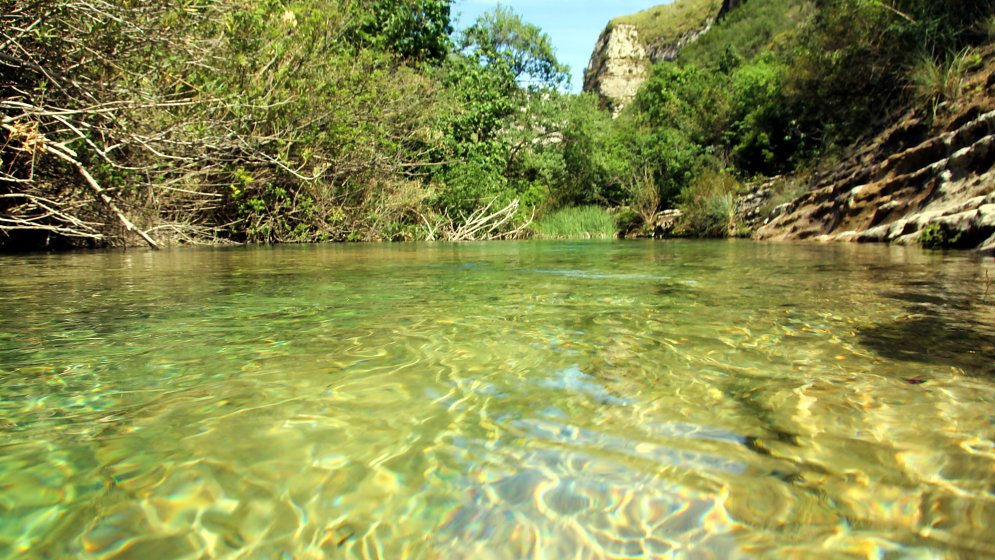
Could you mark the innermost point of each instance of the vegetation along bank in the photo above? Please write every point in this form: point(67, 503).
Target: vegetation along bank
point(233, 121)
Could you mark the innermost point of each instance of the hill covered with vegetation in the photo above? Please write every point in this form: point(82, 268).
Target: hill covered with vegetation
point(667, 23)
point(787, 87)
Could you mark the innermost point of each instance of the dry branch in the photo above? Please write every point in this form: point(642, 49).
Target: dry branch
point(482, 225)
point(102, 195)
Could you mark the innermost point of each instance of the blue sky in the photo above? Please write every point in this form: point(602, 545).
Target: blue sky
point(573, 25)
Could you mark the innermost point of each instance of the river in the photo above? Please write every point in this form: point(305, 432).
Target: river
point(503, 400)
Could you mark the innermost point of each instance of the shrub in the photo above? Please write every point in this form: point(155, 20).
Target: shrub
point(783, 191)
point(940, 236)
point(708, 205)
point(597, 153)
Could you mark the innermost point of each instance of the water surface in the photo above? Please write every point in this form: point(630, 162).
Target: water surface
point(508, 400)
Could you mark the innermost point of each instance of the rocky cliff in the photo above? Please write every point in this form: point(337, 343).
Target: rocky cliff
point(923, 179)
point(618, 66)
point(629, 45)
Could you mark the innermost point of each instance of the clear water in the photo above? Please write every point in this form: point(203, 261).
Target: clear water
point(508, 400)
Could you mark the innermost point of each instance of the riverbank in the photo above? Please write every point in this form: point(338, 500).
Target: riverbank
point(929, 179)
point(415, 131)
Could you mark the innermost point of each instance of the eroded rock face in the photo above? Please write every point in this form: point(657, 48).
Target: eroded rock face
point(891, 191)
point(619, 65)
point(621, 60)
point(668, 51)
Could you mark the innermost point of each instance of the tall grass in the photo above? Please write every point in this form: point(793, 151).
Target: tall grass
point(934, 81)
point(580, 222)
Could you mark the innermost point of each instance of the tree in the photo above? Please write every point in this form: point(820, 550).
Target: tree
point(415, 30)
point(501, 39)
point(597, 154)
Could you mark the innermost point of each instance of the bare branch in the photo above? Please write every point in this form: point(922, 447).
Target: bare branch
point(99, 191)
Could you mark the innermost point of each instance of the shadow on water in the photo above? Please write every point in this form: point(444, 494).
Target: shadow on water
point(930, 302)
point(933, 339)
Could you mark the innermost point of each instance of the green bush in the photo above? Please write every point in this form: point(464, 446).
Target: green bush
point(763, 137)
point(598, 155)
point(708, 206)
point(850, 67)
point(748, 31)
point(940, 236)
point(628, 221)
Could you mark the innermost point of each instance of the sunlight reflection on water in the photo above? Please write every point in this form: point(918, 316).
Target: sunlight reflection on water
point(512, 400)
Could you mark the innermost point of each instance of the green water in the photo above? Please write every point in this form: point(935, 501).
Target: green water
point(508, 400)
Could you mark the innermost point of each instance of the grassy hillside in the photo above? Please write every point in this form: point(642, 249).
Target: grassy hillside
point(667, 22)
point(748, 30)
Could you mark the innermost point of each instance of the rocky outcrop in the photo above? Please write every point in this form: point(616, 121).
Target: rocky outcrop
point(668, 50)
point(751, 208)
point(621, 59)
point(618, 66)
point(904, 183)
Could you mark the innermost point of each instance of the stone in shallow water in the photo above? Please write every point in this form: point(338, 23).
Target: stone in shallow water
point(113, 531)
point(563, 500)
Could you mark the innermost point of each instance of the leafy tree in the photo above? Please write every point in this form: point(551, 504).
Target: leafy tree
point(501, 39)
point(762, 135)
point(505, 117)
point(415, 30)
point(675, 125)
point(597, 153)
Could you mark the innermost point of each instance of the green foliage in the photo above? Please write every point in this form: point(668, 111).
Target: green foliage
point(482, 98)
point(644, 196)
point(850, 68)
point(576, 222)
point(940, 236)
point(294, 120)
point(326, 118)
point(672, 127)
point(764, 137)
point(784, 190)
point(414, 30)
point(708, 205)
point(629, 221)
point(478, 178)
point(504, 132)
point(666, 23)
point(598, 153)
point(686, 98)
point(757, 27)
point(934, 82)
point(500, 38)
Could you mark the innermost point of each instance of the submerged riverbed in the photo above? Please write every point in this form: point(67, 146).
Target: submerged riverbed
point(506, 400)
